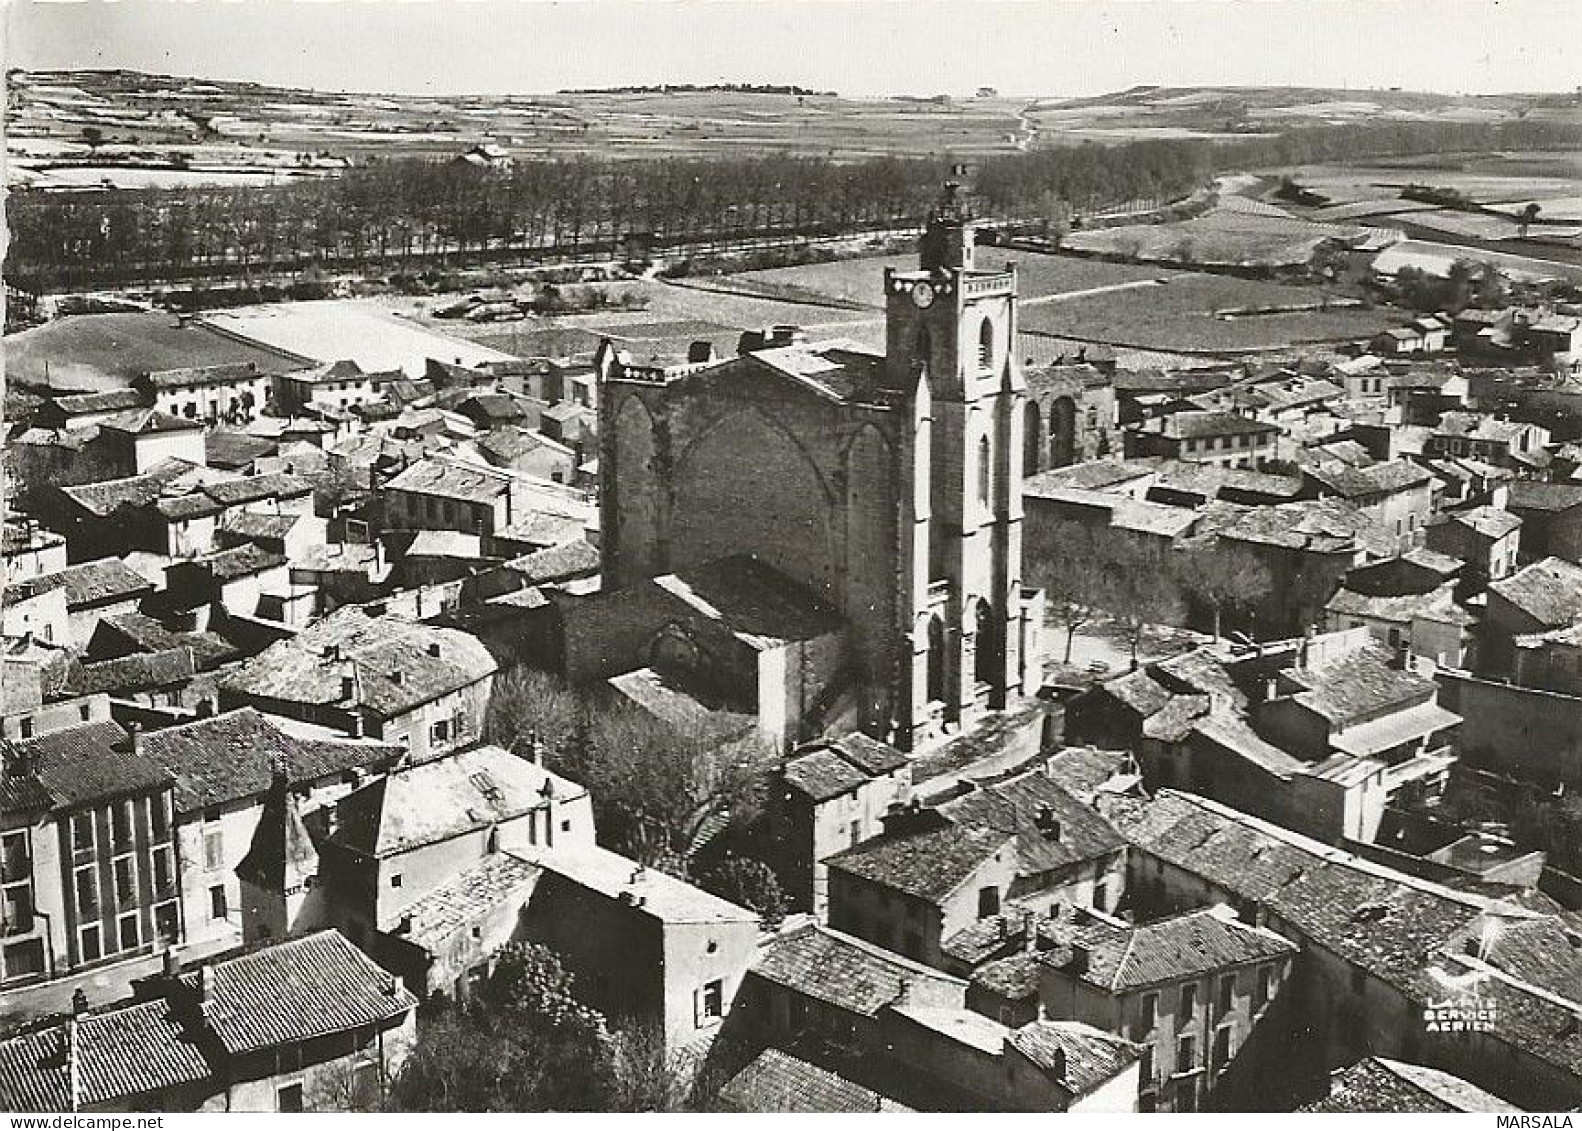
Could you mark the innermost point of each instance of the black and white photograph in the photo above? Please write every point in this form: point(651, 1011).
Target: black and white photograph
point(791, 556)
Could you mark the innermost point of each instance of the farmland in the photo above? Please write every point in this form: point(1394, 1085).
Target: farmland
point(1224, 237)
point(1123, 305)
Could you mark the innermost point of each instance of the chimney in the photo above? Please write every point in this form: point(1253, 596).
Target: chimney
point(1057, 1063)
point(358, 726)
point(404, 926)
point(79, 1002)
point(172, 963)
point(134, 733)
point(206, 983)
point(1047, 823)
point(349, 682)
point(398, 677)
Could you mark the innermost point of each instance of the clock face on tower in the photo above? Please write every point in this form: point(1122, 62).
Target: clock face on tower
point(923, 296)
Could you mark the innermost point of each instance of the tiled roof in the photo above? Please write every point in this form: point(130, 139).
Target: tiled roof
point(927, 865)
point(776, 1081)
point(195, 376)
point(1379, 478)
point(89, 583)
point(1326, 526)
point(462, 900)
point(1014, 977)
point(1409, 933)
point(682, 703)
point(231, 757)
point(394, 663)
point(148, 635)
point(1357, 683)
point(1021, 804)
point(1083, 771)
point(1232, 732)
point(844, 971)
point(299, 989)
point(147, 421)
point(1199, 425)
point(259, 524)
point(432, 801)
point(832, 767)
point(1085, 1057)
point(451, 480)
point(1119, 957)
point(107, 400)
point(1376, 1085)
point(1531, 495)
point(122, 1054)
point(255, 488)
point(92, 762)
point(141, 671)
point(1549, 591)
point(577, 558)
point(648, 891)
point(822, 774)
point(753, 601)
point(1490, 522)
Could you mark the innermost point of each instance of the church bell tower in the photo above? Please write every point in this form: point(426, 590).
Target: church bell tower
point(950, 344)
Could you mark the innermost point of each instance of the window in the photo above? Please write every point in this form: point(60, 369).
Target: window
point(92, 949)
point(130, 939)
point(218, 908)
point(125, 881)
point(1227, 993)
point(714, 1000)
point(395, 880)
point(213, 850)
point(14, 861)
point(1186, 1095)
point(164, 871)
point(289, 1098)
point(1186, 1054)
point(1148, 1014)
point(1189, 999)
point(440, 731)
point(856, 832)
point(1145, 1066)
point(1101, 896)
point(1221, 1047)
point(82, 832)
point(87, 893)
point(988, 902)
point(159, 817)
point(985, 470)
point(986, 345)
point(27, 726)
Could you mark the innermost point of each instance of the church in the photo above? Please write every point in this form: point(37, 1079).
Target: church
point(822, 536)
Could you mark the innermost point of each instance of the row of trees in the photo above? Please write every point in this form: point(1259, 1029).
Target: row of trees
point(392, 214)
point(1090, 574)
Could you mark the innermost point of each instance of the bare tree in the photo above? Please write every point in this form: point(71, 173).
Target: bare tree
point(1222, 576)
point(1066, 560)
point(1140, 590)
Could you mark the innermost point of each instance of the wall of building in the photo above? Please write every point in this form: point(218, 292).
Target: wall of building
point(1521, 730)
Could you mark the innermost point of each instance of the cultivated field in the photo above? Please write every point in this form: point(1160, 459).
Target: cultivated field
point(160, 121)
point(1224, 237)
point(858, 280)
